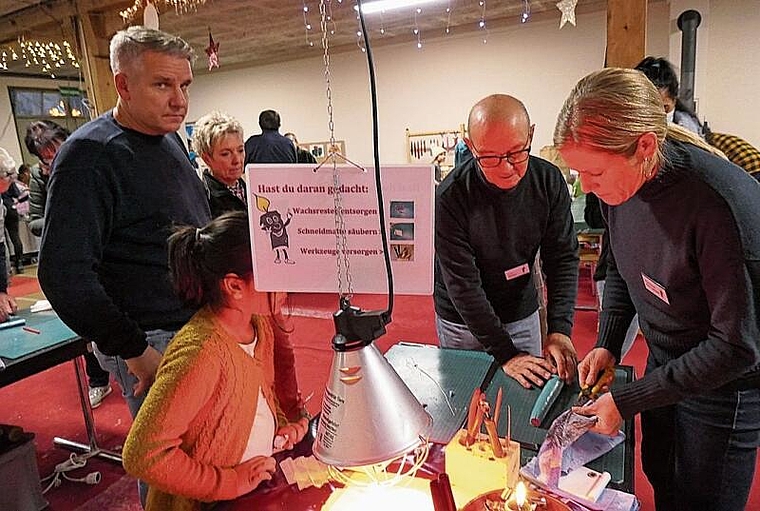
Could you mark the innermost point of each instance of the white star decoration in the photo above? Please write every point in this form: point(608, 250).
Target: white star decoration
point(567, 8)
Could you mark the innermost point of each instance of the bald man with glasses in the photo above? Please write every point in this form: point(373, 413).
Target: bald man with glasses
point(494, 214)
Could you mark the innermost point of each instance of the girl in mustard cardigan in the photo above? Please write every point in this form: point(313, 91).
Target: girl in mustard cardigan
point(206, 430)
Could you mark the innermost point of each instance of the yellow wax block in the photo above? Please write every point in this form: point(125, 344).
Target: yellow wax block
point(475, 470)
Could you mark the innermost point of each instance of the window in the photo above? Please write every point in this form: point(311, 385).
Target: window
point(65, 106)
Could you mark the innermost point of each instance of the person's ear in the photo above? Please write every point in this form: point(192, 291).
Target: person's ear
point(232, 286)
point(646, 146)
point(121, 82)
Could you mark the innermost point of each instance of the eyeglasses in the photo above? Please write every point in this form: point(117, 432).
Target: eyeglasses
point(6, 174)
point(513, 158)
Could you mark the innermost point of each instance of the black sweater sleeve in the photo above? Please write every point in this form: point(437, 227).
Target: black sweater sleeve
point(72, 249)
point(559, 263)
point(617, 309)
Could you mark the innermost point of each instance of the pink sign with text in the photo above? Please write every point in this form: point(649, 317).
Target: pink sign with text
point(294, 231)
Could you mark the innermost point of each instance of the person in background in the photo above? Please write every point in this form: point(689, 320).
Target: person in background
point(493, 214)
point(210, 423)
point(439, 157)
point(304, 156)
point(119, 184)
point(461, 153)
point(25, 174)
point(16, 201)
point(43, 138)
point(7, 174)
point(662, 74)
point(218, 138)
point(684, 248)
point(269, 146)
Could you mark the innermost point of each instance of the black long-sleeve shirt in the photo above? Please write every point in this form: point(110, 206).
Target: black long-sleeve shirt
point(486, 240)
point(113, 197)
point(686, 251)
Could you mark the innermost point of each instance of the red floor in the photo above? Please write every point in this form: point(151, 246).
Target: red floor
point(47, 403)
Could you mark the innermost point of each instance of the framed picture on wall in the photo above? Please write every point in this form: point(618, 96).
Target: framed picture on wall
point(320, 150)
point(189, 129)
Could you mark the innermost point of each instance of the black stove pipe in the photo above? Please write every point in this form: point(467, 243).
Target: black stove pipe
point(688, 22)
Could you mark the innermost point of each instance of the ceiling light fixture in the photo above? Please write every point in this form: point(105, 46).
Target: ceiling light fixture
point(387, 5)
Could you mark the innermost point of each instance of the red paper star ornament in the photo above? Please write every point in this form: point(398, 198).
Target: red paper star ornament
point(212, 50)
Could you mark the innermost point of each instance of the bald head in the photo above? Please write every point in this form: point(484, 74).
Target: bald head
point(498, 110)
point(499, 136)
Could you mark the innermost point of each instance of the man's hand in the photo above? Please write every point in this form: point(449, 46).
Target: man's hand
point(606, 411)
point(595, 362)
point(7, 306)
point(559, 351)
point(144, 369)
point(251, 473)
point(528, 370)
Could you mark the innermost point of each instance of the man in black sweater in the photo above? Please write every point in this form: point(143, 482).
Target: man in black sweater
point(493, 215)
point(118, 186)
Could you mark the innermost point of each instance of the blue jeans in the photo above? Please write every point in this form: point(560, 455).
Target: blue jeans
point(633, 328)
point(158, 339)
point(525, 334)
point(699, 453)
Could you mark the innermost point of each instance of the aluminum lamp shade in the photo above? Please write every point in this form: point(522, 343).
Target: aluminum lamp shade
point(368, 414)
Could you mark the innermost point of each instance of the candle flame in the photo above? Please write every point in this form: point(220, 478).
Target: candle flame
point(521, 494)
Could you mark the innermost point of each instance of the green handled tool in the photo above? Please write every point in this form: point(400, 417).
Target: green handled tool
point(549, 394)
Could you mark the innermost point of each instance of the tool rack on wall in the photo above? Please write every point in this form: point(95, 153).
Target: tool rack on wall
point(419, 145)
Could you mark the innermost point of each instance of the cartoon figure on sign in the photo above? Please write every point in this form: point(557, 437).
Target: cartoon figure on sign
point(271, 222)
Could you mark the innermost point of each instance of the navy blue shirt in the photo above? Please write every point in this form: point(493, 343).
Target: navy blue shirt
point(685, 255)
point(270, 147)
point(113, 198)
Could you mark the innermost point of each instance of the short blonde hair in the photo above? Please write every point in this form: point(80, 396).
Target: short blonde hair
point(7, 163)
point(209, 128)
point(610, 109)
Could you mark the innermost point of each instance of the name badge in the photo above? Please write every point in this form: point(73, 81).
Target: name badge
point(517, 271)
point(655, 288)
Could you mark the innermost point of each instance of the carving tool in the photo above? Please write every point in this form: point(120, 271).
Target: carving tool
point(11, 322)
point(549, 394)
point(472, 413)
point(493, 434)
point(497, 412)
point(603, 381)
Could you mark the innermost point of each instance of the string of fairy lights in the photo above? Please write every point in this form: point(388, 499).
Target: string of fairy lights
point(179, 6)
point(416, 30)
point(47, 56)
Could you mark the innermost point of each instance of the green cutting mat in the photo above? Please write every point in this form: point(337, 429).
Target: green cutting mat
point(521, 401)
point(442, 380)
point(16, 342)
